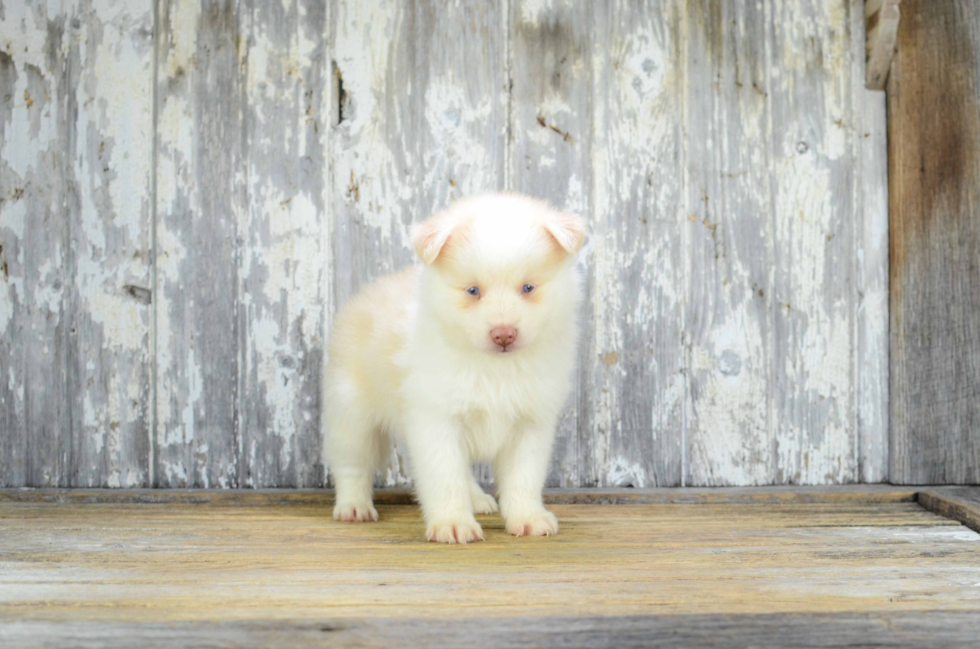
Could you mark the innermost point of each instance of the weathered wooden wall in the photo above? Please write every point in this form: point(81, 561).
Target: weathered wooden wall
point(934, 165)
point(270, 156)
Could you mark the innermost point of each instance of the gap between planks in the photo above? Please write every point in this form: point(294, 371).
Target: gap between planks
point(656, 496)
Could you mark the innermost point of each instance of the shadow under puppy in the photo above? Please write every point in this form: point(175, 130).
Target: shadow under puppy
point(468, 358)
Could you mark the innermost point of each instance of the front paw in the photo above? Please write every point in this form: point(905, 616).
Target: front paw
point(459, 530)
point(355, 512)
point(538, 523)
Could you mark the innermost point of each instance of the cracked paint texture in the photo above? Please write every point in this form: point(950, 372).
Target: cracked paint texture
point(190, 190)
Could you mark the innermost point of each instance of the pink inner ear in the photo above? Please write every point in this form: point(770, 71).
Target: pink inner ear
point(568, 231)
point(430, 237)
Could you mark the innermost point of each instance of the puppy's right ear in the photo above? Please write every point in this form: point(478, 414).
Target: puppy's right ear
point(431, 236)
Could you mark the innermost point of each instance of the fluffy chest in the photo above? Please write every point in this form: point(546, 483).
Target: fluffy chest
point(504, 391)
point(493, 406)
point(485, 433)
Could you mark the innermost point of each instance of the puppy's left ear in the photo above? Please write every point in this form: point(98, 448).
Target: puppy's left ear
point(567, 229)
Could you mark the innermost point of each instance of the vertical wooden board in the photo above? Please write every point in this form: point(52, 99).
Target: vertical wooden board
point(729, 245)
point(110, 156)
point(638, 257)
point(813, 125)
point(13, 428)
point(934, 191)
point(375, 170)
point(283, 265)
point(550, 157)
point(200, 201)
point(420, 120)
point(460, 102)
point(869, 141)
point(36, 109)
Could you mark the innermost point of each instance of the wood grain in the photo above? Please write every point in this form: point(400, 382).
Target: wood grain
point(421, 120)
point(549, 156)
point(870, 140)
point(636, 386)
point(461, 106)
point(182, 563)
point(958, 503)
point(110, 150)
point(374, 143)
point(934, 171)
point(75, 244)
point(37, 101)
point(728, 236)
point(881, 18)
point(815, 213)
point(941, 629)
point(200, 202)
point(281, 310)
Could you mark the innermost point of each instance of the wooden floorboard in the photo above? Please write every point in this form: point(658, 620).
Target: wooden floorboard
point(958, 503)
point(937, 630)
point(780, 572)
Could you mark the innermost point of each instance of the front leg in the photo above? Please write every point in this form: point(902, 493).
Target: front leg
point(520, 470)
point(442, 477)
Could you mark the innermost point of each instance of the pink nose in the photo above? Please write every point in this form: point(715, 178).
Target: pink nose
point(503, 336)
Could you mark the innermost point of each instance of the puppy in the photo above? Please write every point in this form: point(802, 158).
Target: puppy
point(469, 358)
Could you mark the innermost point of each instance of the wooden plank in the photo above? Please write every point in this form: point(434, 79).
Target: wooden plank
point(958, 503)
point(374, 170)
point(324, 498)
point(637, 366)
point(462, 107)
point(728, 238)
point(869, 137)
point(550, 140)
point(759, 631)
point(283, 265)
point(881, 21)
point(114, 563)
point(37, 103)
point(12, 421)
point(934, 171)
point(200, 202)
point(110, 220)
point(815, 215)
point(420, 121)
point(460, 91)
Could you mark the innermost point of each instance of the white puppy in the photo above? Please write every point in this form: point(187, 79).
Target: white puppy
point(469, 358)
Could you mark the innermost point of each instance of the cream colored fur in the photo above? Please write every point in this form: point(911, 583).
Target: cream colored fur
point(412, 355)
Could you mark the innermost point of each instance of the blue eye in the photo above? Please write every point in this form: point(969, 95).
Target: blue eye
point(473, 290)
point(528, 288)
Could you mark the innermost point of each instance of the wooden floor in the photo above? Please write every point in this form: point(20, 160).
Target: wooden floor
point(270, 571)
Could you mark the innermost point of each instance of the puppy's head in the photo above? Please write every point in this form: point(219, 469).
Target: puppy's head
point(499, 274)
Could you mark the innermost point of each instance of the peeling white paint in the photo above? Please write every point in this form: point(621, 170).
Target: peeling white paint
point(623, 473)
point(186, 432)
point(183, 38)
point(50, 292)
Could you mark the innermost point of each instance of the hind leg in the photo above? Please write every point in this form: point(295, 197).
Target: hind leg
point(483, 503)
point(352, 448)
